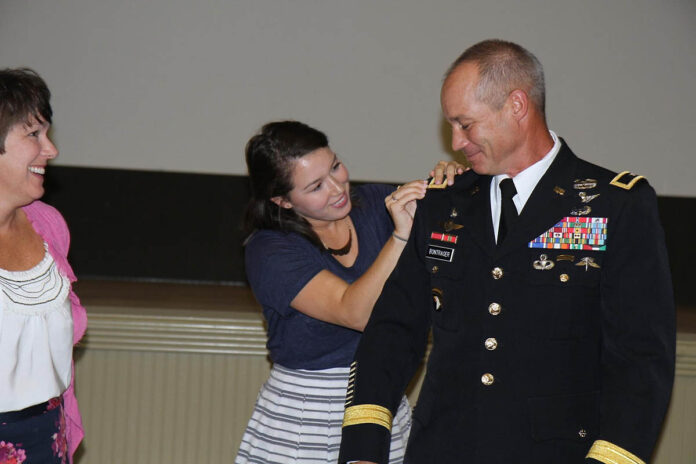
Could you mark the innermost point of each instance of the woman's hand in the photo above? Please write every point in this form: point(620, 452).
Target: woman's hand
point(401, 205)
point(329, 298)
point(447, 170)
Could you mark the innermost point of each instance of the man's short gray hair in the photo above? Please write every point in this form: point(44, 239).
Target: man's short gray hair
point(503, 67)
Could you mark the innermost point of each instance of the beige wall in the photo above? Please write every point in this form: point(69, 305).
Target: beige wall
point(181, 85)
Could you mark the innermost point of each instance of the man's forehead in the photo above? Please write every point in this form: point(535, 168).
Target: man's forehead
point(459, 89)
point(464, 76)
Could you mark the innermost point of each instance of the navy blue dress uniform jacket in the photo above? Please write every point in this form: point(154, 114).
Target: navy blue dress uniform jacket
point(539, 355)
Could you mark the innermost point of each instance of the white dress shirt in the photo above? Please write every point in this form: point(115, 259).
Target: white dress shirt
point(524, 182)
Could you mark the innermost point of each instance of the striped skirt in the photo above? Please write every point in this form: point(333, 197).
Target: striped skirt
point(298, 418)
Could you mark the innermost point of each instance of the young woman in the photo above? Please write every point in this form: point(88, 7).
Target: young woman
point(41, 318)
point(317, 260)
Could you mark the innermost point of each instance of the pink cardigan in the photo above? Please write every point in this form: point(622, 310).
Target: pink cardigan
point(51, 226)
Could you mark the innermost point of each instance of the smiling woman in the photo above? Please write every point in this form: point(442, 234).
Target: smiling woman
point(41, 316)
point(27, 150)
point(322, 191)
point(318, 256)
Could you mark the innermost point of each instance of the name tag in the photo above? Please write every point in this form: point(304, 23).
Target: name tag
point(440, 253)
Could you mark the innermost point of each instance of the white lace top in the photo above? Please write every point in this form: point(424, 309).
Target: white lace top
point(36, 332)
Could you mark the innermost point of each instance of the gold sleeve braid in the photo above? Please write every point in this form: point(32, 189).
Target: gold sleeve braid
point(609, 453)
point(368, 414)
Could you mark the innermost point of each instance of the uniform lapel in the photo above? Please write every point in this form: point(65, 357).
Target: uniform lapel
point(551, 200)
point(474, 213)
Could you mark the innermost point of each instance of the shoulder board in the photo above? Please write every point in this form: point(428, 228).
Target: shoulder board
point(625, 180)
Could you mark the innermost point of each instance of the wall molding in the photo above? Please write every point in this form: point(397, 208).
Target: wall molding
point(238, 334)
point(178, 334)
point(147, 359)
point(686, 355)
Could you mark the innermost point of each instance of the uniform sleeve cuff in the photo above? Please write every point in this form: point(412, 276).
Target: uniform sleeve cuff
point(609, 453)
point(366, 442)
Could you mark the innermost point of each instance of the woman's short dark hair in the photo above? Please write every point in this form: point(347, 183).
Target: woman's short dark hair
point(23, 95)
point(270, 157)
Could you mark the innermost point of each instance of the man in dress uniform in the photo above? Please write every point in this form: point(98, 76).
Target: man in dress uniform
point(546, 284)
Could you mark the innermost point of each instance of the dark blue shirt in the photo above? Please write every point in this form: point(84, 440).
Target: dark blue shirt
point(279, 265)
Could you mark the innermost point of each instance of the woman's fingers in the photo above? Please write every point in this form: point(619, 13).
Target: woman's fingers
point(413, 190)
point(447, 170)
point(401, 204)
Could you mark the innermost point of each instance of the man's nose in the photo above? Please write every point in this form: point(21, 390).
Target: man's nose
point(459, 139)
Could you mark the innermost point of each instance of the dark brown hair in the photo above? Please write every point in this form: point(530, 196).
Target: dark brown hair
point(23, 95)
point(270, 155)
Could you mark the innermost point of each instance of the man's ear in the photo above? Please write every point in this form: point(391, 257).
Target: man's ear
point(519, 103)
point(282, 202)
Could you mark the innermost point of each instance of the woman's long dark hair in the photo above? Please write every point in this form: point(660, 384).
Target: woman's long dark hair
point(270, 155)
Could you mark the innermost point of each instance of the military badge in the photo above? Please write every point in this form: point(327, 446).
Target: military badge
point(543, 263)
point(433, 185)
point(450, 226)
point(585, 198)
point(443, 237)
point(574, 233)
point(588, 262)
point(584, 184)
point(625, 180)
point(558, 190)
point(581, 211)
point(437, 299)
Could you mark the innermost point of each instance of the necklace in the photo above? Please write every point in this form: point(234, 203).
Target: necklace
point(345, 249)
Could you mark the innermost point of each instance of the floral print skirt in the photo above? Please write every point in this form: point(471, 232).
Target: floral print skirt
point(34, 435)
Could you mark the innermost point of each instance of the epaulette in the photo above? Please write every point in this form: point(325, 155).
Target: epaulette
point(625, 180)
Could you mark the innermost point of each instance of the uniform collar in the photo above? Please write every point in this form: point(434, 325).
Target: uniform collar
point(526, 180)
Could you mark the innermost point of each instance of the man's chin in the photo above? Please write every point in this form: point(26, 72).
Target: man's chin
point(479, 168)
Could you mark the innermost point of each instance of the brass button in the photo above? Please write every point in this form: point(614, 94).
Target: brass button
point(487, 379)
point(435, 269)
point(564, 277)
point(494, 308)
point(491, 344)
point(582, 433)
point(497, 273)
